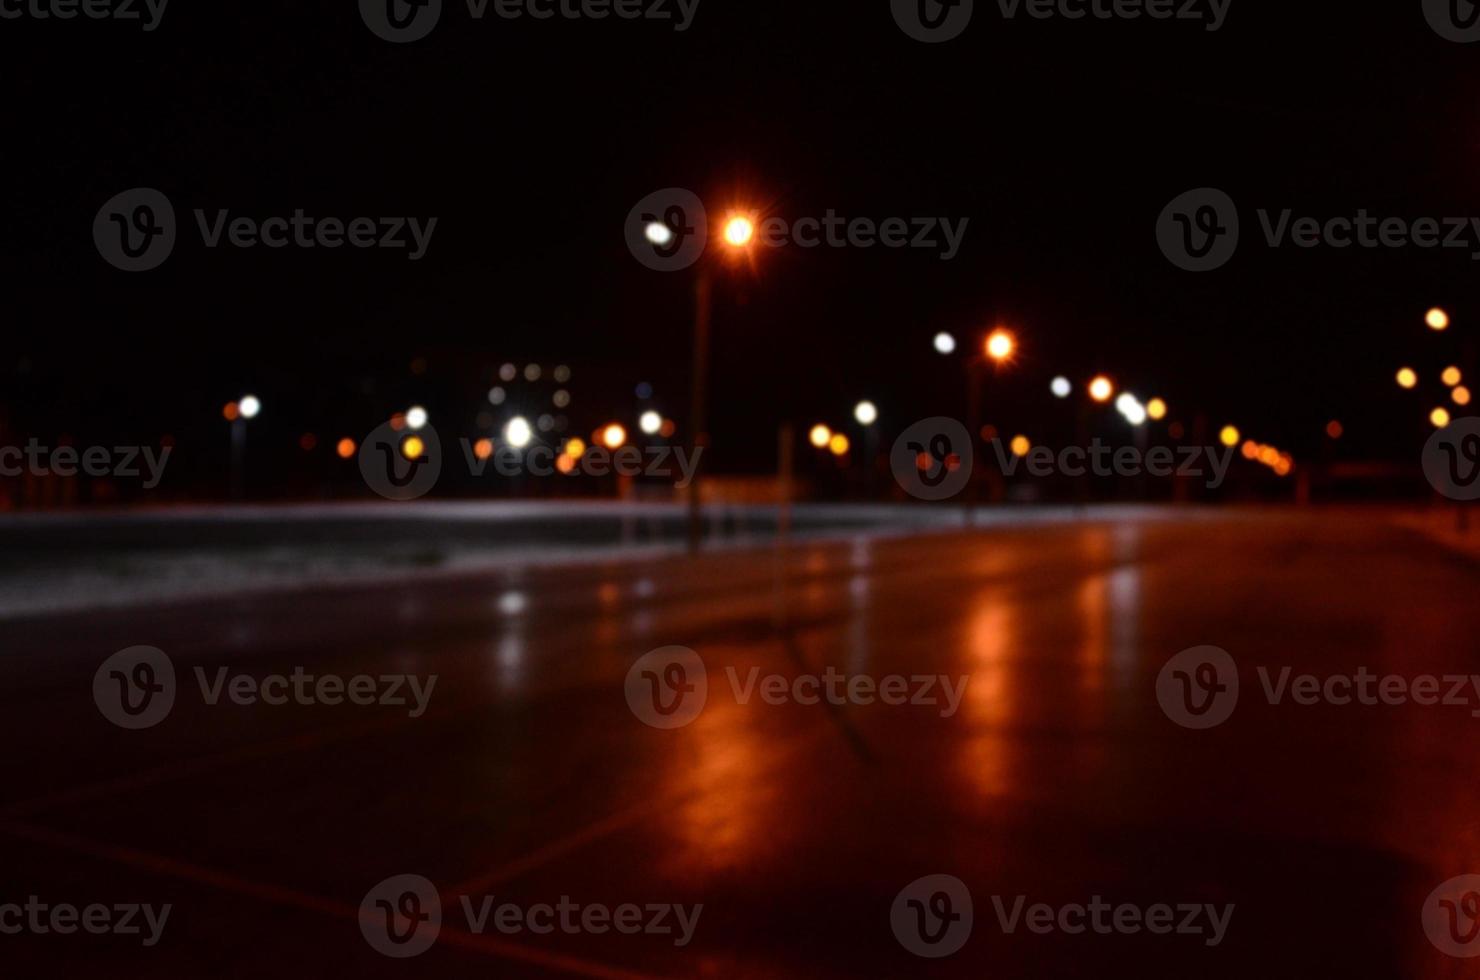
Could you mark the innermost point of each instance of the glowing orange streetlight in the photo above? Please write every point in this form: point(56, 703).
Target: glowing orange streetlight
point(1452, 376)
point(613, 436)
point(1101, 390)
point(1000, 345)
point(839, 444)
point(346, 448)
point(739, 231)
point(1157, 409)
point(1461, 395)
point(1229, 436)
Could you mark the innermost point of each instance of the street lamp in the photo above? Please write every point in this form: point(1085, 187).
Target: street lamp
point(739, 233)
point(1000, 345)
point(239, 413)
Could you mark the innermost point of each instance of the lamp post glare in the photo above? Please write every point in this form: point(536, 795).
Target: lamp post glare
point(739, 231)
point(1000, 345)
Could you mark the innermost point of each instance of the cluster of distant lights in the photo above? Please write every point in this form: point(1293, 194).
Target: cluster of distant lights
point(1000, 345)
point(1452, 377)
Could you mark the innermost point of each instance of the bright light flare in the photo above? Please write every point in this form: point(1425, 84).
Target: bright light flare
point(1061, 387)
point(867, 413)
point(1407, 378)
point(945, 343)
point(1229, 436)
point(658, 233)
point(249, 406)
point(650, 423)
point(412, 447)
point(839, 444)
point(416, 417)
point(1101, 390)
point(614, 436)
point(518, 433)
point(1000, 345)
point(1440, 417)
point(739, 231)
point(1452, 376)
point(1437, 319)
point(820, 435)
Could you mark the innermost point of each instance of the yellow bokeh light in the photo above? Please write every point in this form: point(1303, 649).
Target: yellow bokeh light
point(1157, 409)
point(1437, 319)
point(1461, 395)
point(739, 230)
point(839, 444)
point(613, 436)
point(575, 447)
point(1229, 436)
point(1452, 376)
point(1021, 445)
point(1407, 378)
point(820, 435)
point(483, 448)
point(1440, 417)
point(1100, 389)
point(412, 447)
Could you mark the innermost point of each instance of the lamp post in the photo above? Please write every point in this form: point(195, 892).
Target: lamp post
point(739, 232)
point(239, 413)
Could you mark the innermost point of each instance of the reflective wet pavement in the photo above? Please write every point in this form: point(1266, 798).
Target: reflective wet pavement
point(529, 778)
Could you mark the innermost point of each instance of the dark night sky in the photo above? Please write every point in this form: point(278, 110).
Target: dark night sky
point(530, 142)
